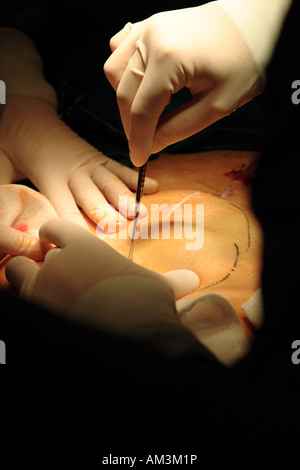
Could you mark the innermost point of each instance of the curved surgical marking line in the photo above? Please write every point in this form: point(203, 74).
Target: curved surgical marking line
point(235, 245)
point(229, 273)
point(248, 224)
point(237, 255)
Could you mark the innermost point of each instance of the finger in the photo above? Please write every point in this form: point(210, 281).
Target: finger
point(118, 38)
point(182, 282)
point(116, 64)
point(52, 252)
point(192, 117)
point(21, 273)
point(15, 242)
point(128, 87)
point(152, 96)
point(94, 204)
point(61, 232)
point(63, 202)
point(116, 192)
point(130, 177)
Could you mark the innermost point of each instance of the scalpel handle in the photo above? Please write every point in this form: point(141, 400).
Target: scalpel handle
point(141, 183)
point(138, 197)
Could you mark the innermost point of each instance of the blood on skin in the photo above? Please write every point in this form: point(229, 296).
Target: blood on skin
point(21, 227)
point(244, 175)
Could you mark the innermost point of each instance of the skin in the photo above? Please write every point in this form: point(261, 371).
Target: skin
point(229, 263)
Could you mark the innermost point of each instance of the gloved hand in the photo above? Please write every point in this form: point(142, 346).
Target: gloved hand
point(22, 240)
point(205, 49)
point(87, 279)
point(16, 242)
point(63, 166)
point(38, 145)
point(8, 173)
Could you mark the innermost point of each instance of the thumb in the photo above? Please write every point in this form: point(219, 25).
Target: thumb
point(22, 272)
point(182, 282)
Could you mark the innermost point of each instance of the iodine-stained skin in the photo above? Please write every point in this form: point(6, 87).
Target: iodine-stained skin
point(211, 172)
point(228, 263)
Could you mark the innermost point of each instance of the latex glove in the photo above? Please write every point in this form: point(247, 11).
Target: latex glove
point(212, 319)
point(260, 24)
point(63, 166)
point(201, 48)
point(88, 280)
point(67, 170)
point(15, 241)
point(8, 173)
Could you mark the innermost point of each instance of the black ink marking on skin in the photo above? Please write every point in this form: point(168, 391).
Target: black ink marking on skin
point(247, 221)
point(237, 255)
point(229, 273)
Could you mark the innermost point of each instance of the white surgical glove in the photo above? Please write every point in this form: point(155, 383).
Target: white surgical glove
point(22, 212)
point(260, 23)
point(218, 53)
point(64, 167)
point(214, 322)
point(87, 280)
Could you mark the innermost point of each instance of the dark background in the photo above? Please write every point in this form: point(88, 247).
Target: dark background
point(80, 389)
point(73, 41)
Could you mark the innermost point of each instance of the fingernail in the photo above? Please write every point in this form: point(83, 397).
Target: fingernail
point(151, 185)
point(193, 280)
point(138, 158)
